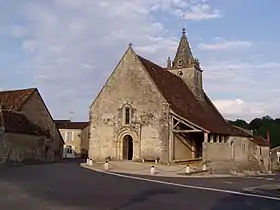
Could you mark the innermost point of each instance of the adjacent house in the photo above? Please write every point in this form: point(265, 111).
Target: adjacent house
point(27, 130)
point(275, 158)
point(146, 111)
point(75, 135)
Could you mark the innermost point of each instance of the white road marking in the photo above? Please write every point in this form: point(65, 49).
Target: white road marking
point(190, 186)
point(228, 182)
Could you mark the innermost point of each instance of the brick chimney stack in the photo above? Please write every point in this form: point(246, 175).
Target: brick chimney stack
point(268, 137)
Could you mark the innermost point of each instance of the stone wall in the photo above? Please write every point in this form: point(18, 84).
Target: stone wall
point(216, 152)
point(129, 86)
point(21, 148)
point(35, 111)
point(84, 142)
point(275, 163)
point(240, 153)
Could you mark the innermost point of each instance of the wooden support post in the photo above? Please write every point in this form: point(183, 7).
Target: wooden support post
point(211, 138)
point(205, 137)
point(218, 138)
point(174, 126)
point(193, 152)
point(171, 141)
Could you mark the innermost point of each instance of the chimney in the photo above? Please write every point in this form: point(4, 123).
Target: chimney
point(268, 137)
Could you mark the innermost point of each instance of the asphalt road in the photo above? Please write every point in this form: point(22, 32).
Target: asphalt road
point(68, 186)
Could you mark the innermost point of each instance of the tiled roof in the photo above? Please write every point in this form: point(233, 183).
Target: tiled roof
point(67, 124)
point(260, 140)
point(17, 122)
point(14, 99)
point(183, 102)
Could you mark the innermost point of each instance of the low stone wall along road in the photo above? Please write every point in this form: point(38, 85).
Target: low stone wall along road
point(68, 186)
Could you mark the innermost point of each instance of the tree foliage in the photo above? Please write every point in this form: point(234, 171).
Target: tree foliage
point(260, 126)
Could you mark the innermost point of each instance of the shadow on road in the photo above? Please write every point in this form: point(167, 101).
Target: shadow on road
point(236, 202)
point(68, 186)
point(145, 195)
point(56, 183)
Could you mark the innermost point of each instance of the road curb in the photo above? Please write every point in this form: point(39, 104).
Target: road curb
point(84, 165)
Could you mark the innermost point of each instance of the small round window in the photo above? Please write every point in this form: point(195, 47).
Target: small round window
point(180, 62)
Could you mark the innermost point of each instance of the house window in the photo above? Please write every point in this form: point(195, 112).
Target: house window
point(127, 116)
point(69, 136)
point(278, 159)
point(260, 150)
point(69, 151)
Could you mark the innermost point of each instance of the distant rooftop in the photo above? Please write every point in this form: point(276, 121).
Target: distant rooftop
point(68, 124)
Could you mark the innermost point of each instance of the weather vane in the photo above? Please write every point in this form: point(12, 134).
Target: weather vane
point(184, 22)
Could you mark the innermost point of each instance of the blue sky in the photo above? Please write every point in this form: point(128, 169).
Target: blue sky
point(68, 48)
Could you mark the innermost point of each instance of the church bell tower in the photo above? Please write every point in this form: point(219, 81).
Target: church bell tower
point(187, 67)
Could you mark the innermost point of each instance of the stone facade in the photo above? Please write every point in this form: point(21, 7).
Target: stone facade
point(129, 87)
point(28, 132)
point(78, 143)
point(275, 158)
point(37, 112)
point(240, 153)
point(23, 148)
point(145, 111)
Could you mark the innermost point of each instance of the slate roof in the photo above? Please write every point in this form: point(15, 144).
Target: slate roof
point(17, 122)
point(183, 102)
point(67, 124)
point(15, 99)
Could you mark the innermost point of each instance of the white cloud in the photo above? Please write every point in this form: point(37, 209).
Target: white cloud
point(225, 45)
point(240, 109)
point(73, 46)
point(201, 12)
point(256, 83)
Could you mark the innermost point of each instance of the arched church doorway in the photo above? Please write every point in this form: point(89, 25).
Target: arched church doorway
point(127, 148)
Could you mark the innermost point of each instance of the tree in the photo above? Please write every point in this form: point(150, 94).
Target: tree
point(260, 126)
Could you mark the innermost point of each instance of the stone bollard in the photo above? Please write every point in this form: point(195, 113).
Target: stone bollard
point(204, 168)
point(87, 161)
point(188, 170)
point(90, 162)
point(153, 170)
point(106, 165)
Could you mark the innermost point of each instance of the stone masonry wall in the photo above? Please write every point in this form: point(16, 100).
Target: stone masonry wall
point(216, 152)
point(21, 148)
point(129, 85)
point(193, 78)
point(35, 111)
point(84, 141)
point(240, 153)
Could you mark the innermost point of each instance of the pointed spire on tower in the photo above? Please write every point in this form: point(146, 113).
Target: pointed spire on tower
point(168, 62)
point(184, 57)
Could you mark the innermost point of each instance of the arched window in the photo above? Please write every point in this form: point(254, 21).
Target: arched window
point(127, 116)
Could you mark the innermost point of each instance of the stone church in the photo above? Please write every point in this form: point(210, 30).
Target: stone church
point(145, 111)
